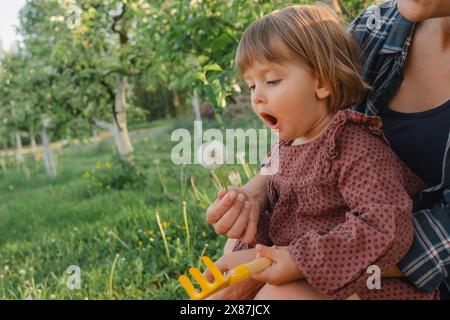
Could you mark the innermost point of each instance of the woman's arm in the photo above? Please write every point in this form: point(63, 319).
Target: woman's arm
point(427, 262)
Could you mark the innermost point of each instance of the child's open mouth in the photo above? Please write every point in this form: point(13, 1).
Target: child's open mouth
point(271, 120)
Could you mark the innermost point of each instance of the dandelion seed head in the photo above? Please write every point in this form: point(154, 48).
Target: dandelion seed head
point(235, 178)
point(211, 155)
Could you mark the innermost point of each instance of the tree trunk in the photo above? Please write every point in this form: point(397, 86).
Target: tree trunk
point(33, 145)
point(196, 108)
point(19, 150)
point(3, 164)
point(120, 129)
point(49, 156)
point(3, 155)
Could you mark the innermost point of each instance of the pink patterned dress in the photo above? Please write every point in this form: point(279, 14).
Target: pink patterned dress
point(342, 203)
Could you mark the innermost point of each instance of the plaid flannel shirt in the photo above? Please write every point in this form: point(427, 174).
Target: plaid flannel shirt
point(384, 37)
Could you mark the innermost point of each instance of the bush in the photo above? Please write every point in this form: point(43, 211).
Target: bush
point(116, 174)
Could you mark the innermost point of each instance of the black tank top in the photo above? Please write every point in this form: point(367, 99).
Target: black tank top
point(419, 139)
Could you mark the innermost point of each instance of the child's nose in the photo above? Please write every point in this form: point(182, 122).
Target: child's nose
point(258, 97)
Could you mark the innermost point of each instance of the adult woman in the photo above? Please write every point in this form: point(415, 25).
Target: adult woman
point(406, 50)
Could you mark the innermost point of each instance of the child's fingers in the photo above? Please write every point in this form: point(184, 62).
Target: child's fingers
point(239, 225)
point(221, 194)
point(264, 276)
point(220, 207)
point(229, 217)
point(267, 274)
point(231, 188)
point(268, 252)
point(252, 224)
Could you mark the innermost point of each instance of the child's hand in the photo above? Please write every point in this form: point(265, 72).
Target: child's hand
point(283, 269)
point(234, 215)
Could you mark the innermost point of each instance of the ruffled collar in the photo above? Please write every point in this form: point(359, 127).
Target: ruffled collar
point(342, 117)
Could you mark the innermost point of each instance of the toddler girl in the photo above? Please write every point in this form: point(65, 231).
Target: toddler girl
point(340, 203)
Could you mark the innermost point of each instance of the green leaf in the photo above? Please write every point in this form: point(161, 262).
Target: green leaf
point(200, 76)
point(212, 67)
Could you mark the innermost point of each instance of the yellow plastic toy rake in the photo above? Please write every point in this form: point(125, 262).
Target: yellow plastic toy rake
point(239, 273)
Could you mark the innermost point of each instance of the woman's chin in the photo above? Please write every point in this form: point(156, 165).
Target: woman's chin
point(413, 11)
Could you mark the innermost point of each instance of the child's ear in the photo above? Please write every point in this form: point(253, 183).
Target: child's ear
point(322, 89)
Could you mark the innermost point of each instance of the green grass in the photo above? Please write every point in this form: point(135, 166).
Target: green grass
point(49, 224)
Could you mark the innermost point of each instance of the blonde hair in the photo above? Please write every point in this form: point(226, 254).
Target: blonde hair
point(313, 35)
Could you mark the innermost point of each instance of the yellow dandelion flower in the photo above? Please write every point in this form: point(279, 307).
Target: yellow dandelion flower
point(165, 224)
point(108, 165)
point(98, 165)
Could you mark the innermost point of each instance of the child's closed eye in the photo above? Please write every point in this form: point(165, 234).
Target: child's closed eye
point(270, 83)
point(274, 82)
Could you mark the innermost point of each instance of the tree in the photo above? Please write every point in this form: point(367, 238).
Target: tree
point(89, 63)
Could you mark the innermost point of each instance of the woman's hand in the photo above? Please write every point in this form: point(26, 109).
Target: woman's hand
point(283, 269)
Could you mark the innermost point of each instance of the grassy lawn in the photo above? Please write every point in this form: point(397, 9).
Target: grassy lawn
point(110, 233)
